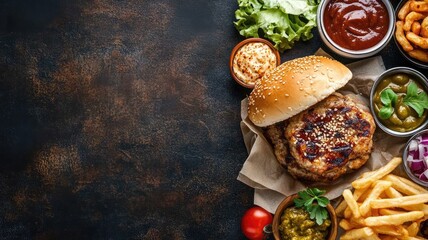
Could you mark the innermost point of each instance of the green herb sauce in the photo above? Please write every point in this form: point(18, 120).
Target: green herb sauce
point(297, 225)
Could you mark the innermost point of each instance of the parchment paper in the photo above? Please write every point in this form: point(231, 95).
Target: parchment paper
point(272, 183)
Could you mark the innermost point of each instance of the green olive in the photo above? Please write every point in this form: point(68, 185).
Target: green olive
point(402, 111)
point(383, 84)
point(377, 98)
point(410, 123)
point(400, 79)
point(398, 88)
point(413, 113)
point(395, 120)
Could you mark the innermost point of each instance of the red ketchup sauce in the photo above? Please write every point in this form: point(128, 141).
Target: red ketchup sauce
point(356, 24)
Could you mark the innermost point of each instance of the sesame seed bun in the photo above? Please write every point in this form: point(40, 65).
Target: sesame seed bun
point(293, 87)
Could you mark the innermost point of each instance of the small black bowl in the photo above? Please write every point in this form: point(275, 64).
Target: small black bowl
point(414, 61)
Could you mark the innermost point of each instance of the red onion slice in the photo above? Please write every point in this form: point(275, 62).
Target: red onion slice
point(416, 166)
point(424, 140)
point(413, 146)
point(417, 158)
point(424, 176)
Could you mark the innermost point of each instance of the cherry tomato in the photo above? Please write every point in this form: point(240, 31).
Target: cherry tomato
point(253, 222)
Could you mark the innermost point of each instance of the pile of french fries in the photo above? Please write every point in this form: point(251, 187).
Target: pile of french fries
point(411, 30)
point(383, 206)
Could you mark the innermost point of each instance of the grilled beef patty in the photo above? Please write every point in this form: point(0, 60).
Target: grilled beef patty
point(321, 144)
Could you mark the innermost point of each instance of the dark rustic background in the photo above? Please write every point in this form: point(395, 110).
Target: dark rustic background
point(119, 119)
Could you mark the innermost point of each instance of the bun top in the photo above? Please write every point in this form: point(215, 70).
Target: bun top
point(293, 87)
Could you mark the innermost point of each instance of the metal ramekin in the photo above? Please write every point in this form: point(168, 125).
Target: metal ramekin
point(406, 166)
point(355, 53)
point(417, 76)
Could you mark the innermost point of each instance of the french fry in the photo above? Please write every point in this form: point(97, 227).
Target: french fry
point(352, 204)
point(393, 193)
point(383, 195)
point(387, 211)
point(374, 212)
point(358, 193)
point(375, 193)
point(388, 238)
point(418, 54)
point(417, 207)
point(401, 38)
point(403, 231)
point(390, 206)
point(340, 209)
point(366, 174)
point(413, 229)
point(365, 194)
point(347, 213)
point(410, 18)
point(417, 40)
point(381, 172)
point(342, 205)
point(345, 225)
point(404, 10)
point(360, 233)
point(399, 202)
point(411, 184)
point(390, 230)
point(372, 237)
point(358, 222)
point(396, 219)
point(403, 185)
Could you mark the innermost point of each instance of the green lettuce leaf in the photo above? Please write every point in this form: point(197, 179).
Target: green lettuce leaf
point(282, 21)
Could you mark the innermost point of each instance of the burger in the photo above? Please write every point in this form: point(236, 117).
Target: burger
point(317, 134)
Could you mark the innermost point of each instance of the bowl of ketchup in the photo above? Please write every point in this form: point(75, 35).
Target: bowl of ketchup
point(355, 28)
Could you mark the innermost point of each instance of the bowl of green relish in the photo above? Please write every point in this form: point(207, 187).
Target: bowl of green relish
point(291, 222)
point(399, 101)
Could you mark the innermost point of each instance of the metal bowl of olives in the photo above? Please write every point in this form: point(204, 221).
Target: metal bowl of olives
point(397, 100)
